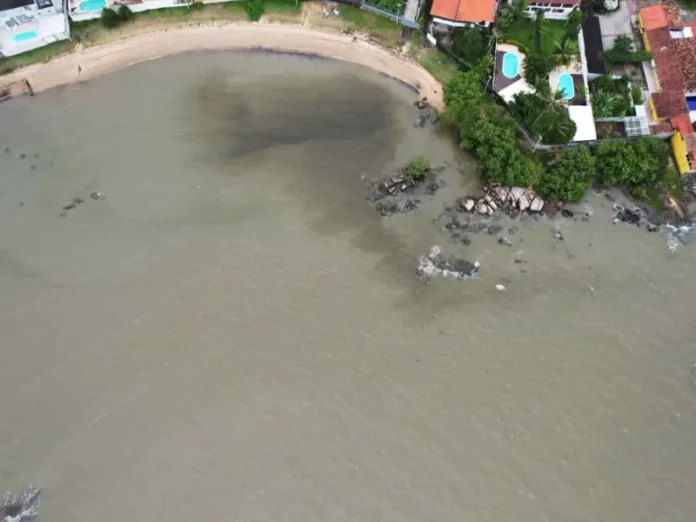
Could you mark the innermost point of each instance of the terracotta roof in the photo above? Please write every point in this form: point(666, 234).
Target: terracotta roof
point(690, 140)
point(474, 11)
point(669, 103)
point(654, 17)
point(660, 128)
point(682, 124)
point(673, 14)
point(666, 59)
point(686, 51)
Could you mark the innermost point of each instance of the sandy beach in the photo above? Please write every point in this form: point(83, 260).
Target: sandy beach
point(103, 59)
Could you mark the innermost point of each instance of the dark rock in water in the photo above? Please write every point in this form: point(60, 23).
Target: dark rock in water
point(435, 263)
point(21, 203)
point(505, 241)
point(20, 507)
point(477, 227)
point(33, 167)
point(393, 194)
point(512, 231)
point(435, 120)
point(7, 150)
point(610, 197)
point(466, 240)
point(419, 121)
point(22, 156)
point(78, 200)
point(567, 213)
point(70, 206)
point(586, 216)
point(37, 155)
point(557, 234)
point(97, 195)
point(653, 228)
point(519, 261)
point(494, 229)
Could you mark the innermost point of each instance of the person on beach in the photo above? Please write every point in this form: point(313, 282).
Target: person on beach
point(79, 69)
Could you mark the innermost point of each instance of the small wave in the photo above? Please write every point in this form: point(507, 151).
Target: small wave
point(434, 263)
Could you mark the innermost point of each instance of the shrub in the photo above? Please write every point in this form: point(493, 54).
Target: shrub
point(470, 44)
point(637, 95)
point(523, 48)
point(254, 9)
point(109, 18)
point(417, 169)
point(125, 14)
point(568, 178)
point(536, 70)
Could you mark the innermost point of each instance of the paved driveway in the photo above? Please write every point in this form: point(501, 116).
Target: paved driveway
point(616, 23)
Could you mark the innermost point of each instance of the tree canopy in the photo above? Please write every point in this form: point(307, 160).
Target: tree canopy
point(470, 44)
point(568, 178)
point(632, 163)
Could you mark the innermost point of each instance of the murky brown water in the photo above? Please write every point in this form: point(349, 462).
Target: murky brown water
point(233, 334)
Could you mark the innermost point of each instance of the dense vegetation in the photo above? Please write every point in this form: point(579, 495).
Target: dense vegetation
point(622, 52)
point(391, 6)
point(471, 44)
point(611, 97)
point(545, 115)
point(417, 169)
point(640, 165)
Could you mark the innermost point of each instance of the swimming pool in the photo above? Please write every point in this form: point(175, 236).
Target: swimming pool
point(565, 85)
point(511, 65)
point(26, 35)
point(691, 102)
point(92, 5)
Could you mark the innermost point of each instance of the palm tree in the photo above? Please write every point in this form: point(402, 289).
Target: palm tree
point(540, 27)
point(558, 128)
point(604, 104)
point(553, 102)
point(516, 10)
point(566, 50)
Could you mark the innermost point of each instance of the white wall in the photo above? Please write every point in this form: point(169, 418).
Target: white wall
point(551, 12)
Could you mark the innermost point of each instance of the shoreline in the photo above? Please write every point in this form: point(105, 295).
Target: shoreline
point(107, 58)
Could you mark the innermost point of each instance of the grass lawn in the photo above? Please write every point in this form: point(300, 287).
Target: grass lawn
point(42, 54)
point(438, 64)
point(523, 31)
point(377, 27)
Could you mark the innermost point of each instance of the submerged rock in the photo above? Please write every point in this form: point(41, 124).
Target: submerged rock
point(505, 241)
point(19, 507)
point(436, 264)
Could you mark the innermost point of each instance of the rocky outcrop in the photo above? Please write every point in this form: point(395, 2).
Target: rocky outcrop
point(435, 263)
point(399, 194)
point(19, 507)
point(511, 200)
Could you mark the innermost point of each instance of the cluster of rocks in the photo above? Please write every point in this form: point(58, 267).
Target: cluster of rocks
point(435, 263)
point(634, 216)
point(400, 194)
point(431, 115)
point(97, 196)
point(511, 200)
point(20, 507)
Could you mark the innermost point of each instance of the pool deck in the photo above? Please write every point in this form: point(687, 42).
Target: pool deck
point(500, 81)
point(506, 87)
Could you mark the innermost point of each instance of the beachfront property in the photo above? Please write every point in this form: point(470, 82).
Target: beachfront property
point(81, 10)
point(29, 24)
point(671, 76)
point(554, 9)
point(464, 13)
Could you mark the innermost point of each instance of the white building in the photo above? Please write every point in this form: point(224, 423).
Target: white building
point(81, 10)
point(554, 9)
point(29, 24)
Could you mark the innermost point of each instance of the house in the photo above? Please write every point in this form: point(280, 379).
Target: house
point(81, 10)
point(464, 13)
point(554, 9)
point(29, 24)
point(671, 76)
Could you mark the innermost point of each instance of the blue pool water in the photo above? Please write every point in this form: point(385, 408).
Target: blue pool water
point(565, 85)
point(92, 5)
point(510, 65)
point(691, 102)
point(26, 35)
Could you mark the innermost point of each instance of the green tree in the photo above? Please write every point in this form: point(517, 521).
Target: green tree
point(501, 157)
point(540, 28)
point(566, 50)
point(254, 9)
point(605, 104)
point(631, 163)
point(568, 178)
point(545, 115)
point(109, 18)
point(557, 127)
point(536, 70)
point(465, 101)
point(124, 13)
point(470, 44)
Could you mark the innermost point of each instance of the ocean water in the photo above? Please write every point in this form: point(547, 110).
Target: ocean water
point(232, 333)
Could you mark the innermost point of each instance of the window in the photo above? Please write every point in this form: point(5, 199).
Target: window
point(42, 4)
point(557, 10)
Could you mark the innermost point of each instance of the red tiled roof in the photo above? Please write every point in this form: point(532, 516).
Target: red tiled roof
point(670, 103)
point(654, 17)
point(666, 58)
point(682, 124)
point(686, 51)
point(474, 11)
point(660, 128)
point(690, 140)
point(673, 14)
